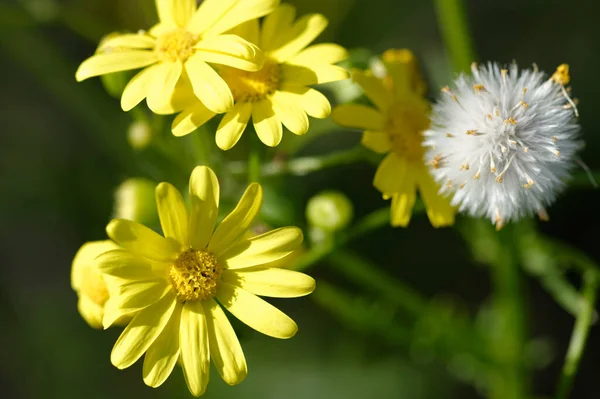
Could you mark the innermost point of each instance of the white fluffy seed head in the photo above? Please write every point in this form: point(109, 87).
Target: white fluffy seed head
point(502, 142)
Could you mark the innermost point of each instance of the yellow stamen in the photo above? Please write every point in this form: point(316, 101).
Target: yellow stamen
point(195, 275)
point(175, 45)
point(252, 86)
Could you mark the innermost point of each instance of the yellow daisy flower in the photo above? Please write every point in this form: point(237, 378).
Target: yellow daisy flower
point(176, 286)
point(396, 127)
point(91, 286)
point(185, 41)
point(279, 92)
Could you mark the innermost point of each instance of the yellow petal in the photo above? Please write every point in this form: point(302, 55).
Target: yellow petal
point(138, 87)
point(182, 97)
point(233, 125)
point(84, 258)
point(402, 204)
point(358, 116)
point(324, 53)
point(271, 282)
point(128, 266)
point(217, 16)
point(305, 30)
point(172, 213)
point(264, 248)
point(195, 355)
point(175, 12)
point(439, 210)
point(401, 65)
point(225, 348)
point(255, 312)
point(101, 64)
point(91, 312)
point(208, 86)
point(314, 103)
point(191, 119)
point(238, 221)
point(266, 123)
point(163, 84)
point(129, 40)
point(230, 50)
point(133, 297)
point(142, 241)
point(289, 112)
point(374, 89)
point(377, 141)
point(249, 30)
point(163, 353)
point(390, 174)
point(141, 332)
point(311, 75)
point(204, 198)
point(278, 21)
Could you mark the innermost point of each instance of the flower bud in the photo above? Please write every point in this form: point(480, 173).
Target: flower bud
point(329, 210)
point(134, 200)
point(89, 284)
point(139, 135)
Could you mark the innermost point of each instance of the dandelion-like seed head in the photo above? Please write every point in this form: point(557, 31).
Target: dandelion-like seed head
point(175, 45)
point(195, 275)
point(252, 86)
point(502, 141)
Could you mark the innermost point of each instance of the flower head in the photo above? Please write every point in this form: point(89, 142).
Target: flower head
point(503, 140)
point(180, 47)
point(278, 93)
point(395, 127)
point(176, 286)
point(92, 288)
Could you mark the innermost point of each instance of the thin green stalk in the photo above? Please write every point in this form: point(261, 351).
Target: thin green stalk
point(452, 20)
point(254, 160)
point(369, 275)
point(371, 222)
point(511, 336)
point(579, 336)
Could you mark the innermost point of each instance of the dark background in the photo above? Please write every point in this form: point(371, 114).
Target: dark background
point(63, 150)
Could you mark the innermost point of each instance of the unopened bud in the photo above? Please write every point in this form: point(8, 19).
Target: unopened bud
point(139, 135)
point(134, 200)
point(329, 210)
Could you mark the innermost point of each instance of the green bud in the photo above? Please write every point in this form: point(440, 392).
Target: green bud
point(139, 135)
point(135, 200)
point(329, 210)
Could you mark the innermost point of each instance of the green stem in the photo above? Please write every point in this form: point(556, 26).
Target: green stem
point(367, 274)
point(452, 20)
point(254, 160)
point(371, 222)
point(579, 336)
point(510, 339)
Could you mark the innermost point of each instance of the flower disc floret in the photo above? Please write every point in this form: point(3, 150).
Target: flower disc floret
point(177, 45)
point(195, 275)
point(252, 86)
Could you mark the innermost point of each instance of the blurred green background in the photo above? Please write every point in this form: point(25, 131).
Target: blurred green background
point(63, 151)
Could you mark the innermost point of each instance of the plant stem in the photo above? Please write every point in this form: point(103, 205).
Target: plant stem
point(510, 339)
point(365, 273)
point(254, 160)
point(452, 20)
point(372, 221)
point(579, 336)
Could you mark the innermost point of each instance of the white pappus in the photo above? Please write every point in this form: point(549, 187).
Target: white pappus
point(502, 141)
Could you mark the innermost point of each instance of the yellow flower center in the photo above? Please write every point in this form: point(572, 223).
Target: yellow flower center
point(93, 286)
point(175, 45)
point(195, 275)
point(405, 123)
point(252, 86)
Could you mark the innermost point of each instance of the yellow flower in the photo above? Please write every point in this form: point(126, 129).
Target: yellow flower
point(182, 45)
point(89, 284)
point(396, 127)
point(279, 92)
point(176, 286)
